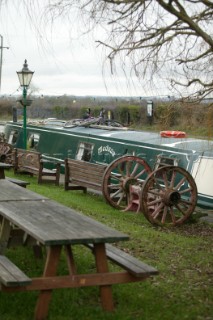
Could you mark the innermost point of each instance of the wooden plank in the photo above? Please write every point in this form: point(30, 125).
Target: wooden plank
point(52, 223)
point(20, 183)
point(70, 260)
point(11, 275)
point(4, 234)
point(12, 192)
point(102, 266)
point(128, 262)
point(133, 265)
point(79, 173)
point(82, 173)
point(87, 184)
point(85, 164)
point(32, 163)
point(42, 306)
point(78, 281)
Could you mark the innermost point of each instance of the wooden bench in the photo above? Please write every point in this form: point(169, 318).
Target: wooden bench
point(20, 183)
point(31, 162)
point(11, 275)
point(80, 175)
point(134, 266)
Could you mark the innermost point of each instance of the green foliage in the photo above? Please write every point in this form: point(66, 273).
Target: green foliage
point(183, 256)
point(135, 113)
point(193, 118)
point(131, 114)
point(121, 113)
point(167, 114)
point(60, 112)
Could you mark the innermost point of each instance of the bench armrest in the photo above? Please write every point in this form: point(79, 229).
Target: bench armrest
point(51, 161)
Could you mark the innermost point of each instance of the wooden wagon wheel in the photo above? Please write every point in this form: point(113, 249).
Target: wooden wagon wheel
point(168, 196)
point(118, 177)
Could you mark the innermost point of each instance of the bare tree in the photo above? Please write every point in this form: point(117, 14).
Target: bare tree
point(170, 39)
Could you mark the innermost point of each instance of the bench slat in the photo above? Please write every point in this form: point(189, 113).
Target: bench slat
point(86, 172)
point(128, 262)
point(83, 174)
point(87, 177)
point(31, 162)
point(86, 184)
point(11, 275)
point(20, 183)
point(85, 164)
point(133, 265)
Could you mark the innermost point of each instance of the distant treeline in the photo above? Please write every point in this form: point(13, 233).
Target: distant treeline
point(174, 115)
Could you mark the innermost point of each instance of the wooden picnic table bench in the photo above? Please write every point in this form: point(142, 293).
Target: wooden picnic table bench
point(55, 227)
point(4, 166)
point(11, 275)
point(134, 266)
point(31, 162)
point(80, 175)
point(19, 182)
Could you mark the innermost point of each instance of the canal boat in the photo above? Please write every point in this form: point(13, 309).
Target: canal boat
point(104, 142)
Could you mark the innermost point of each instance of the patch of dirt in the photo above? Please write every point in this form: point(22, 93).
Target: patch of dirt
point(197, 229)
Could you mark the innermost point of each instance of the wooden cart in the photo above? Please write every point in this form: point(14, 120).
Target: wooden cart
point(166, 195)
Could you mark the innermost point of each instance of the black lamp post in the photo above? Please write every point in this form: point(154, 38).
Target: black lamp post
point(25, 76)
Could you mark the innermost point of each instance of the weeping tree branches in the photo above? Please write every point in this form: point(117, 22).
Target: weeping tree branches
point(170, 39)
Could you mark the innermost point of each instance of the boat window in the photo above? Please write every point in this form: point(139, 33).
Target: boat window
point(33, 140)
point(165, 161)
point(13, 137)
point(84, 151)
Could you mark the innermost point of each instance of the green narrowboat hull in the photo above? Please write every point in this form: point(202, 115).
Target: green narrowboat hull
point(104, 145)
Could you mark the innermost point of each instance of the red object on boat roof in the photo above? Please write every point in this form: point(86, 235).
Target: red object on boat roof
point(173, 134)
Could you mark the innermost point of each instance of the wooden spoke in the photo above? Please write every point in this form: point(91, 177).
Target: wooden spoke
point(113, 186)
point(139, 174)
point(165, 179)
point(165, 211)
point(180, 183)
point(173, 179)
point(172, 215)
point(181, 210)
point(120, 199)
point(155, 201)
point(135, 169)
point(113, 195)
point(115, 176)
point(157, 211)
point(128, 167)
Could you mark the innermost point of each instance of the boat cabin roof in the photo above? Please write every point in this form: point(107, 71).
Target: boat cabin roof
point(125, 135)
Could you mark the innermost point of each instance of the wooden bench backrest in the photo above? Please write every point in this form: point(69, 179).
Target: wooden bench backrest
point(85, 173)
point(5, 148)
point(26, 158)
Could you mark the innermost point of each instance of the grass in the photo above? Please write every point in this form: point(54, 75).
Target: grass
point(183, 255)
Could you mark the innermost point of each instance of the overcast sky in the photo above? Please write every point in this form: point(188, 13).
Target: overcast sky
point(61, 66)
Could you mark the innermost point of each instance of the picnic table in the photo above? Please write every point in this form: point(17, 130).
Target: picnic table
point(4, 166)
point(56, 227)
point(19, 182)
